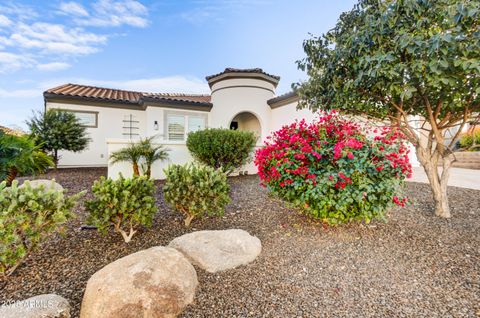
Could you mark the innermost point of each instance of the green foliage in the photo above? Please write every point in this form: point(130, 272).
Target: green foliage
point(221, 148)
point(20, 155)
point(466, 140)
point(124, 204)
point(394, 59)
point(28, 215)
point(388, 54)
point(334, 170)
point(151, 153)
point(196, 190)
point(58, 130)
point(145, 151)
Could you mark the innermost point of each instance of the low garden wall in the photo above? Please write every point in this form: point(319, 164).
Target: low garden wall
point(177, 154)
point(467, 159)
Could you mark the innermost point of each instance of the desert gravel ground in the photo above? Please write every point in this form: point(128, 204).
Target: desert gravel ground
point(415, 265)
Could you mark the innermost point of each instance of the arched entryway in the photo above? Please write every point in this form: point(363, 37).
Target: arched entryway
point(248, 122)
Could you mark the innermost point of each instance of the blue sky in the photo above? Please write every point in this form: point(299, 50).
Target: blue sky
point(155, 46)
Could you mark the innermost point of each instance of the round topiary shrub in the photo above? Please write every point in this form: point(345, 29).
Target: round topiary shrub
point(221, 148)
point(334, 169)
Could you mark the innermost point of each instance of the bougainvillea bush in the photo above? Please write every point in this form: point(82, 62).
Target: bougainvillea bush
point(336, 170)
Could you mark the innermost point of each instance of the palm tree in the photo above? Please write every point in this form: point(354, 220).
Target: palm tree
point(151, 153)
point(133, 153)
point(19, 155)
point(143, 150)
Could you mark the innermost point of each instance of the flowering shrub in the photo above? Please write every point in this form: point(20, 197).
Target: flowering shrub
point(334, 169)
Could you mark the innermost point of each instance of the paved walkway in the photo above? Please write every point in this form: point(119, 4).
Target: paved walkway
point(463, 178)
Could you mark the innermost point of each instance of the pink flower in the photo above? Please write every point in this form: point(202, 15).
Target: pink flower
point(350, 155)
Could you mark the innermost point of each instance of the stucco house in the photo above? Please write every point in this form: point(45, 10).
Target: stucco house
point(243, 99)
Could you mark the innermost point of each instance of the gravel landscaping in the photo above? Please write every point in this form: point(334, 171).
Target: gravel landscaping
point(415, 265)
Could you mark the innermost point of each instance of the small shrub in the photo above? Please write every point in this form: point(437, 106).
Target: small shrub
point(466, 140)
point(123, 204)
point(333, 169)
point(28, 215)
point(221, 148)
point(196, 190)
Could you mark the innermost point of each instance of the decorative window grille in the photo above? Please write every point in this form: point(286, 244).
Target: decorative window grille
point(130, 126)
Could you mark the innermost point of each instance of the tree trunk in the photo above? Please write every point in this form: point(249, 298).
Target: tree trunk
point(188, 219)
point(438, 181)
point(12, 174)
point(55, 158)
point(136, 170)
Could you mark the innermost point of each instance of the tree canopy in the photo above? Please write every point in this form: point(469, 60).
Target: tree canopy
point(392, 60)
point(58, 130)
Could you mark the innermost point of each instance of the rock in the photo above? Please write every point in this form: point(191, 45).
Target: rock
point(48, 184)
point(216, 251)
point(41, 306)
point(155, 283)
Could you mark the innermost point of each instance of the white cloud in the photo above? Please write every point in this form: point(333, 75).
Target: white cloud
point(73, 8)
point(108, 13)
point(4, 21)
point(22, 93)
point(28, 39)
point(12, 62)
point(54, 66)
point(55, 38)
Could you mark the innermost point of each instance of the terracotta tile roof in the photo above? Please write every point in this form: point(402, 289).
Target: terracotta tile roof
point(123, 96)
point(233, 72)
point(10, 131)
point(282, 98)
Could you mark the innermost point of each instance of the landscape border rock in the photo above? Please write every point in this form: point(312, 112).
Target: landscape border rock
point(220, 250)
point(41, 306)
point(48, 184)
point(158, 282)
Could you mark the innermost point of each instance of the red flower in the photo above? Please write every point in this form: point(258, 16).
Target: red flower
point(350, 155)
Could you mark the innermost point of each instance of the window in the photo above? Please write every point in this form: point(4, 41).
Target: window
point(179, 124)
point(87, 119)
point(195, 123)
point(176, 127)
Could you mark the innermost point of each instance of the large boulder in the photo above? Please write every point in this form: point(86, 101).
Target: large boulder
point(155, 283)
point(41, 306)
point(216, 251)
point(48, 184)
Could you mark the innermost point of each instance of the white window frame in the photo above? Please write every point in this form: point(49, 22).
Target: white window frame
point(186, 116)
point(75, 112)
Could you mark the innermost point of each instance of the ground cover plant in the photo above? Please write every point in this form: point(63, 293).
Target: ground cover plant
point(333, 170)
point(221, 148)
point(28, 216)
point(124, 204)
point(196, 190)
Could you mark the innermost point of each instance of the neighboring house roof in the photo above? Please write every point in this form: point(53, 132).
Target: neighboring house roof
point(284, 99)
point(102, 94)
point(10, 131)
point(242, 73)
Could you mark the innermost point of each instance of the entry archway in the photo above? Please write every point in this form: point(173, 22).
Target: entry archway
point(247, 121)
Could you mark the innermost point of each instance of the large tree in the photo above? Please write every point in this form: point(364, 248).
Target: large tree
point(399, 60)
point(58, 130)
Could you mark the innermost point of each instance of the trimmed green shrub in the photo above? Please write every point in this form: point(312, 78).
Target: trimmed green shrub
point(196, 190)
point(221, 148)
point(466, 140)
point(28, 215)
point(123, 204)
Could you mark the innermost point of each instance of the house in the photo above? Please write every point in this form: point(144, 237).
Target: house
point(243, 99)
